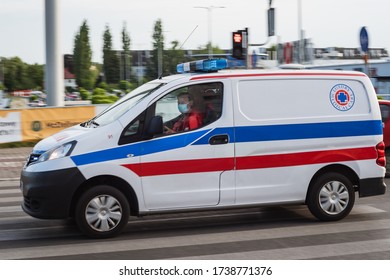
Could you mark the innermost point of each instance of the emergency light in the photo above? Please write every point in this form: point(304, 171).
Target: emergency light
point(205, 65)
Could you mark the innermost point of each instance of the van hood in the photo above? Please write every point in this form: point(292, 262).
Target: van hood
point(59, 138)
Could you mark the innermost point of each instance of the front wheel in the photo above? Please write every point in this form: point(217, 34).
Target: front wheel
point(102, 212)
point(331, 197)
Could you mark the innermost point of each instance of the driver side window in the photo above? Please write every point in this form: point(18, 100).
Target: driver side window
point(191, 107)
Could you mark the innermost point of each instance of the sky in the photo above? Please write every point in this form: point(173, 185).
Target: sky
point(330, 23)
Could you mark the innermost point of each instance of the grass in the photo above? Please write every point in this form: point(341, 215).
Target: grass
point(18, 144)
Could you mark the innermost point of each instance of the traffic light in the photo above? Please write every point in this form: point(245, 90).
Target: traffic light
point(238, 50)
point(271, 22)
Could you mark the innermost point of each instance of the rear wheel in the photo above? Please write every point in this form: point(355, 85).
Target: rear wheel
point(102, 212)
point(331, 197)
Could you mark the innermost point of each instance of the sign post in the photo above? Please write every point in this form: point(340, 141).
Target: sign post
point(364, 45)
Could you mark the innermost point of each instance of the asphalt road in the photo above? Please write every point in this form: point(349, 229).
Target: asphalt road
point(268, 233)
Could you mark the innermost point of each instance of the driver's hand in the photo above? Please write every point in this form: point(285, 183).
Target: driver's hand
point(167, 130)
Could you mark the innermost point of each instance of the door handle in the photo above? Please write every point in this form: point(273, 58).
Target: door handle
point(219, 139)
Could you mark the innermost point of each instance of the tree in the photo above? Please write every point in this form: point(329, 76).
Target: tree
point(19, 75)
point(126, 61)
point(205, 50)
point(155, 65)
point(173, 57)
point(110, 59)
point(36, 75)
point(82, 57)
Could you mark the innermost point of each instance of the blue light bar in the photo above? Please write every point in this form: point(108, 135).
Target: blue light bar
point(205, 65)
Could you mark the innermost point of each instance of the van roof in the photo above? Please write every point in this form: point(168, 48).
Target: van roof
point(251, 73)
point(276, 73)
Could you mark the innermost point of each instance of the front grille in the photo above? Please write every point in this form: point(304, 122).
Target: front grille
point(27, 203)
point(32, 204)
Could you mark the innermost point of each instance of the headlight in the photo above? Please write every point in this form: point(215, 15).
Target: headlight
point(58, 152)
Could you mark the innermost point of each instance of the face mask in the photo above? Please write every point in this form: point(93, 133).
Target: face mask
point(183, 108)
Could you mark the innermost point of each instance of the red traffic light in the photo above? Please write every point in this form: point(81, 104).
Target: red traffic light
point(237, 37)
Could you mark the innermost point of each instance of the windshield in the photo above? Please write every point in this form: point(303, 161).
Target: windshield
point(123, 105)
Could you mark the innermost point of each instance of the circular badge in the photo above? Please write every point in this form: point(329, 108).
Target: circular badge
point(342, 97)
point(36, 126)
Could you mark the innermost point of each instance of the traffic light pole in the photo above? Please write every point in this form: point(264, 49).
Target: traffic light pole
point(271, 29)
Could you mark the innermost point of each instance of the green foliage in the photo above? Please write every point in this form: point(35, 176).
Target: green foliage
point(205, 50)
point(125, 86)
point(104, 85)
point(82, 56)
point(110, 59)
point(172, 57)
point(157, 52)
point(84, 94)
point(104, 99)
point(19, 75)
point(18, 144)
point(126, 57)
point(99, 91)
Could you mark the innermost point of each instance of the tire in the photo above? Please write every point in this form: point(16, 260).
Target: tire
point(331, 197)
point(102, 212)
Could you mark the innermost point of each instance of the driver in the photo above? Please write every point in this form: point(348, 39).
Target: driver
point(190, 118)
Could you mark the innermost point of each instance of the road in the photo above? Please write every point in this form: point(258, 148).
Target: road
point(259, 233)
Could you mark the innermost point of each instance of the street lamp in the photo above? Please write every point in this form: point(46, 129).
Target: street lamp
point(300, 32)
point(209, 12)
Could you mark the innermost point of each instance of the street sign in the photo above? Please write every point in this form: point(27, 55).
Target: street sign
point(364, 39)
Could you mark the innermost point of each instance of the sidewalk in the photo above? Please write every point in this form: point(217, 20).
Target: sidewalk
point(12, 161)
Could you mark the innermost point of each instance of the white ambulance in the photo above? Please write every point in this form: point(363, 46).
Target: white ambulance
point(212, 139)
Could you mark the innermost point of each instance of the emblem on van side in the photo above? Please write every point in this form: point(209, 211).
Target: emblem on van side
point(342, 97)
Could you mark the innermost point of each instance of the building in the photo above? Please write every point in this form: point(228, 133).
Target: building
point(69, 79)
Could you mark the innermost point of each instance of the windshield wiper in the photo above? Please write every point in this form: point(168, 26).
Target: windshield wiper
point(94, 123)
point(89, 123)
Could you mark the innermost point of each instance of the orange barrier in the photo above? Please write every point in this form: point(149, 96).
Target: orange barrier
point(38, 123)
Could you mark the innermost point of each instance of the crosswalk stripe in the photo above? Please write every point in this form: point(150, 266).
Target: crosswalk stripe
point(11, 199)
point(11, 164)
point(20, 158)
point(10, 191)
point(306, 252)
point(8, 184)
point(9, 209)
point(204, 239)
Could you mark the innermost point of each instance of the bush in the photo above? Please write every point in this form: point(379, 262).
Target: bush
point(125, 86)
point(84, 94)
point(100, 96)
point(103, 85)
point(99, 91)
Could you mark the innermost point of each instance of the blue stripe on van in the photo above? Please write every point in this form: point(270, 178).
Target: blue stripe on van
point(139, 149)
point(238, 135)
point(296, 131)
point(307, 131)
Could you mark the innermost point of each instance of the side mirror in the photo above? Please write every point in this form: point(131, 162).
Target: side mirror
point(155, 127)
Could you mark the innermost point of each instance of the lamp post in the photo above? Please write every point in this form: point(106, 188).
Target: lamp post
point(300, 32)
point(209, 12)
point(54, 69)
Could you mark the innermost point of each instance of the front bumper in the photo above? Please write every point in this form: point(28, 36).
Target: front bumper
point(372, 186)
point(48, 195)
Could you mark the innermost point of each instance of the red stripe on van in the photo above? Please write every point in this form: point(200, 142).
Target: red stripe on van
point(224, 76)
point(181, 166)
point(252, 162)
point(295, 159)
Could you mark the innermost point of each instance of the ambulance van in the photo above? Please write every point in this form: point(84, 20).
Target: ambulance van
point(209, 139)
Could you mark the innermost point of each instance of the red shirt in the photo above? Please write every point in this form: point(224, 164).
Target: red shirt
point(189, 121)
